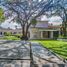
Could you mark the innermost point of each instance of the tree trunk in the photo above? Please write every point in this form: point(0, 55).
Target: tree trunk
point(27, 30)
point(24, 33)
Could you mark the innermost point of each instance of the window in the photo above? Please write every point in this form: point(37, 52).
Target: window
point(15, 33)
point(0, 33)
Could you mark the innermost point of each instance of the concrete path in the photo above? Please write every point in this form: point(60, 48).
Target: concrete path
point(19, 50)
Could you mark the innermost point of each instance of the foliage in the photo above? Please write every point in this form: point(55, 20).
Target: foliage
point(2, 17)
point(60, 36)
point(10, 38)
point(7, 34)
point(17, 35)
point(33, 22)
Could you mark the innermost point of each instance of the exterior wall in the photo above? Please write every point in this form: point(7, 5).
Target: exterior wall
point(34, 33)
point(45, 34)
point(40, 33)
point(31, 34)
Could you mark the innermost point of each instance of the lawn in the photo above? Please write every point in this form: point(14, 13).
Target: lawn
point(58, 47)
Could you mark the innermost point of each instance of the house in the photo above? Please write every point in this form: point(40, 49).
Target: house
point(44, 30)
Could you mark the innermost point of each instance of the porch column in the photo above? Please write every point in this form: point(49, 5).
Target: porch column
point(51, 34)
point(41, 34)
point(31, 34)
point(59, 33)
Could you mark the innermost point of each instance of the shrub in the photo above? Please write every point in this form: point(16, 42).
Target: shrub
point(11, 38)
point(7, 34)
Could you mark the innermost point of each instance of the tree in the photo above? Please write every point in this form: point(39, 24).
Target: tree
point(62, 12)
point(2, 17)
point(64, 20)
point(28, 10)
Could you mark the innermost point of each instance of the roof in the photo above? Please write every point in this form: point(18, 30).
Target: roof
point(42, 25)
point(54, 26)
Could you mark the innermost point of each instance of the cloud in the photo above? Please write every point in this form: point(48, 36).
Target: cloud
point(10, 24)
point(44, 18)
point(55, 20)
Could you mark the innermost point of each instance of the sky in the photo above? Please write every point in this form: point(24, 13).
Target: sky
point(55, 20)
point(10, 24)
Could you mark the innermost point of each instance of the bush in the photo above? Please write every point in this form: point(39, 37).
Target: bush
point(24, 38)
point(7, 34)
point(18, 35)
point(11, 38)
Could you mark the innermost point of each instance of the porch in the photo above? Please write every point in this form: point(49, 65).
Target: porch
point(49, 34)
point(45, 34)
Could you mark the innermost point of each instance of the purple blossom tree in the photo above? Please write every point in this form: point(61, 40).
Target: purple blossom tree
point(28, 10)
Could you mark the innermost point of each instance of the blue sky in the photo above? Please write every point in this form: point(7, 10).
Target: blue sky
point(55, 20)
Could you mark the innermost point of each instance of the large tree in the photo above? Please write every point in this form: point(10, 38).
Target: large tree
point(28, 10)
point(61, 10)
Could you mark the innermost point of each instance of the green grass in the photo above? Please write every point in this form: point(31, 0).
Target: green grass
point(58, 47)
point(10, 38)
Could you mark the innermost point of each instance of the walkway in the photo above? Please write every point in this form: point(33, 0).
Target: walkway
point(23, 54)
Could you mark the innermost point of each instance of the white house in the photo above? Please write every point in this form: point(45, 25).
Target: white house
point(44, 30)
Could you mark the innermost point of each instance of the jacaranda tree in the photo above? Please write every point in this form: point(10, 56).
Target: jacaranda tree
point(28, 10)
